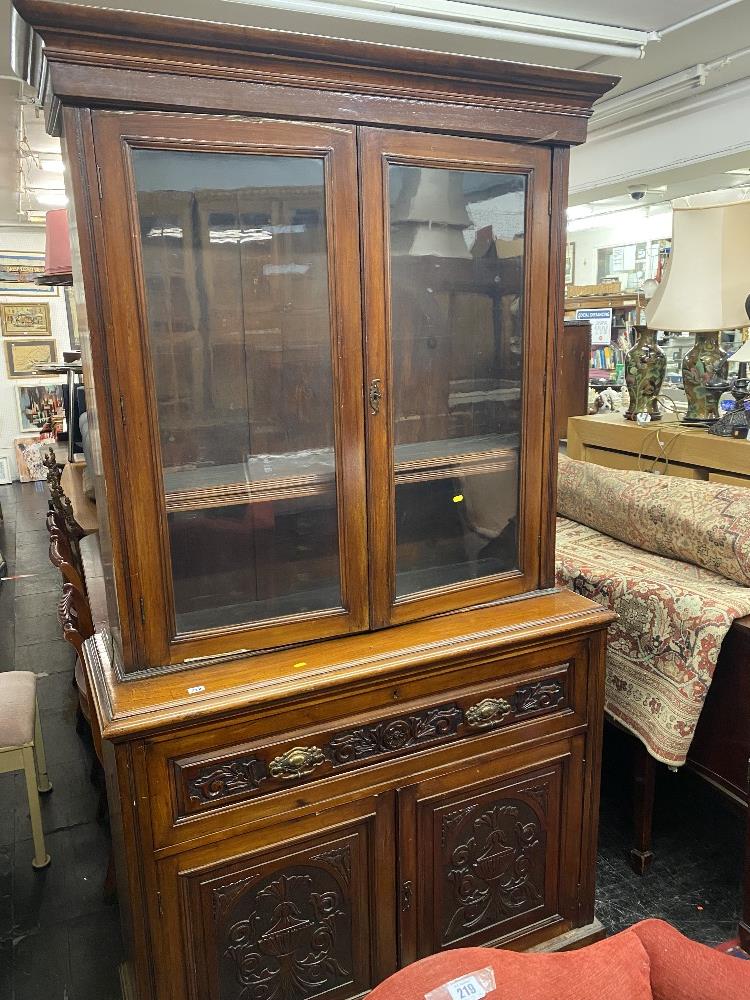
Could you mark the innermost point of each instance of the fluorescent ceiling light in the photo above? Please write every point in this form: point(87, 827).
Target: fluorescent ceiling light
point(55, 199)
point(607, 219)
point(578, 212)
point(478, 20)
point(53, 166)
point(666, 90)
point(742, 171)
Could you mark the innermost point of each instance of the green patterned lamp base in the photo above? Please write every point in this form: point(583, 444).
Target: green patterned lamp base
point(645, 365)
point(704, 363)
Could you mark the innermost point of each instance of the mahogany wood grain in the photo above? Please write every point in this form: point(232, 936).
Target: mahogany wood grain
point(379, 149)
point(146, 534)
point(343, 80)
point(308, 766)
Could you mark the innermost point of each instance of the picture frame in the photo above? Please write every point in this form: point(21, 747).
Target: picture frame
point(30, 452)
point(72, 311)
point(570, 263)
point(37, 404)
point(26, 319)
point(18, 273)
point(22, 357)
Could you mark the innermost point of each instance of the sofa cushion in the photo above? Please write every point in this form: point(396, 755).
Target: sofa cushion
point(615, 969)
point(685, 970)
point(705, 524)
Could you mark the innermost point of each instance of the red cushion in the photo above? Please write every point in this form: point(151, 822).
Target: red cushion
point(685, 970)
point(614, 969)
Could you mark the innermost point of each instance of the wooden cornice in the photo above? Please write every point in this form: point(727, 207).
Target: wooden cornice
point(78, 37)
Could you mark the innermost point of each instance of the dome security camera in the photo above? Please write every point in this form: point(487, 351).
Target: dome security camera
point(637, 192)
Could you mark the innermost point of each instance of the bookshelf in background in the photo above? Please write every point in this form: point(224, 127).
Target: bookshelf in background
point(626, 313)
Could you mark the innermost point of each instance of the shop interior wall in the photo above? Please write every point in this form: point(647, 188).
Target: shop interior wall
point(634, 227)
point(19, 238)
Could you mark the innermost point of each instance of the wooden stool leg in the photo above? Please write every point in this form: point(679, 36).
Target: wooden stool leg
point(644, 781)
point(41, 858)
point(43, 783)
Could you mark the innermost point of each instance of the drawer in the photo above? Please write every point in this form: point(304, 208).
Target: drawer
point(209, 773)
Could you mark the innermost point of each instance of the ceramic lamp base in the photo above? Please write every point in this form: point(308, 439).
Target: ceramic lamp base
point(705, 362)
point(645, 365)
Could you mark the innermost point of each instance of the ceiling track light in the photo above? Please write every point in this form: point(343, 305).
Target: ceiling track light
point(474, 20)
point(667, 90)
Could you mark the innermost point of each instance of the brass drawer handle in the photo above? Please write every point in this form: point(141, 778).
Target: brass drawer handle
point(487, 712)
point(296, 763)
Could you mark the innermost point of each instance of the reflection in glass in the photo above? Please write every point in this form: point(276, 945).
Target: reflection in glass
point(236, 273)
point(457, 278)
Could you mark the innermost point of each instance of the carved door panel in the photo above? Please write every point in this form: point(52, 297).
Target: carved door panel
point(296, 919)
point(489, 854)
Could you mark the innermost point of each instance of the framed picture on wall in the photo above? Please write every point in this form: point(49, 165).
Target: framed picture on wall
point(26, 319)
point(18, 271)
point(72, 310)
point(23, 357)
point(570, 263)
point(39, 406)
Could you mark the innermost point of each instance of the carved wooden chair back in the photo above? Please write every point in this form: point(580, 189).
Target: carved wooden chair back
point(61, 556)
point(74, 615)
point(62, 510)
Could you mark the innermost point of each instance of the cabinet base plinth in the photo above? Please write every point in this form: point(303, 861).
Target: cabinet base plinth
point(579, 937)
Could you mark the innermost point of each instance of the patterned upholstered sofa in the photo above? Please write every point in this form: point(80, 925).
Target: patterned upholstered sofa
point(672, 557)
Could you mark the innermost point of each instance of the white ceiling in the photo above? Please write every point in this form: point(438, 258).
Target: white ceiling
point(646, 15)
point(724, 31)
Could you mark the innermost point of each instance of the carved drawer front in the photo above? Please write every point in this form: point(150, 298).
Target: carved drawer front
point(207, 781)
point(488, 863)
point(290, 923)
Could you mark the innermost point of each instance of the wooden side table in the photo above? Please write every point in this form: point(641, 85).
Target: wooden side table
point(672, 448)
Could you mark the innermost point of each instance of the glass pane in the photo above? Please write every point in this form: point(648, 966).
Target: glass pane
point(236, 273)
point(457, 279)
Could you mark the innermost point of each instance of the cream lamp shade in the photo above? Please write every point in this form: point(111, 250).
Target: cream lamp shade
point(707, 279)
point(742, 354)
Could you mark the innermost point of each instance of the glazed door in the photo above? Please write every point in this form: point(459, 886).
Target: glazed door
point(489, 854)
point(233, 270)
point(456, 252)
point(299, 910)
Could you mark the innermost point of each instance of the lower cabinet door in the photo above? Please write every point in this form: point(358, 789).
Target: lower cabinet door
point(295, 912)
point(489, 853)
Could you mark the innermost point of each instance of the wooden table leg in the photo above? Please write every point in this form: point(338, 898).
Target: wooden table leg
point(644, 780)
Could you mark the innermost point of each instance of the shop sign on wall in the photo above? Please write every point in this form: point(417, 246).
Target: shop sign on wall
point(601, 324)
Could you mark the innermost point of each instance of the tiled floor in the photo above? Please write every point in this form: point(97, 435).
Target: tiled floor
point(59, 940)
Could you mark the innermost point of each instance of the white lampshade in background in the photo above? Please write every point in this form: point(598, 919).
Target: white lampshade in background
point(742, 354)
point(434, 196)
point(707, 279)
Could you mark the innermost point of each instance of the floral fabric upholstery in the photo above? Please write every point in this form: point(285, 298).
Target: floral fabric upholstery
point(702, 523)
point(673, 615)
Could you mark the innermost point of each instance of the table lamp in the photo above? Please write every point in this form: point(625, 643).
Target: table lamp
point(704, 289)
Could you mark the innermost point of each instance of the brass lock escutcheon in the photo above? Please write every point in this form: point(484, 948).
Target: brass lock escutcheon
point(487, 712)
point(376, 395)
point(296, 763)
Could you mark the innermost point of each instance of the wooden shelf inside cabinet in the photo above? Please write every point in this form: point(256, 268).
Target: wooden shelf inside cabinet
point(229, 485)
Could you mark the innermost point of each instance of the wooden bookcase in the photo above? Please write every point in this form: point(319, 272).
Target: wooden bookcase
point(347, 719)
